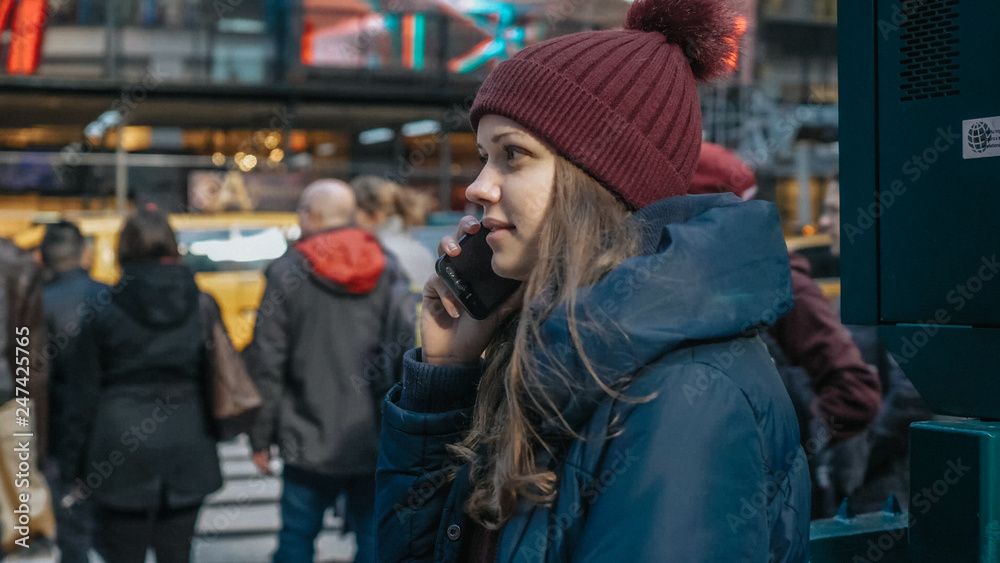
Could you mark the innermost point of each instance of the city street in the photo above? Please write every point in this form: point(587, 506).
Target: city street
point(239, 523)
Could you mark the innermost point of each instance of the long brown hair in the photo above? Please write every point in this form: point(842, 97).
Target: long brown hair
point(585, 235)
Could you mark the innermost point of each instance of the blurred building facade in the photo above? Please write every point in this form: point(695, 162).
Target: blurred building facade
point(208, 105)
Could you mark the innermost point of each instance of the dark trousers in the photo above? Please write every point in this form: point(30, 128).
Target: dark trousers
point(305, 496)
point(122, 537)
point(74, 518)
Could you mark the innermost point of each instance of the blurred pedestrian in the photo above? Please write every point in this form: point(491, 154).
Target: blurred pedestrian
point(835, 392)
point(21, 300)
point(140, 441)
point(829, 217)
point(824, 260)
point(385, 208)
point(619, 407)
point(720, 171)
point(885, 467)
point(320, 340)
point(23, 398)
point(21, 307)
point(72, 298)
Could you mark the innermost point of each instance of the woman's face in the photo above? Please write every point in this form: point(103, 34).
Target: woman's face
point(514, 189)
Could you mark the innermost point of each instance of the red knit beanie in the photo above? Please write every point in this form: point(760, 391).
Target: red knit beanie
point(621, 104)
point(721, 171)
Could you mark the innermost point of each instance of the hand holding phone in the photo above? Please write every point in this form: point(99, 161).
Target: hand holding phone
point(471, 278)
point(449, 337)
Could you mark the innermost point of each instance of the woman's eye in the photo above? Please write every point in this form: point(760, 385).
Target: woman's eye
point(513, 152)
point(482, 158)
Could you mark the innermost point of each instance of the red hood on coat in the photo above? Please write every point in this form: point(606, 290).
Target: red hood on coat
point(349, 257)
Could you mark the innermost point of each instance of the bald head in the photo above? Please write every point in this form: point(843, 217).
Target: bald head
point(326, 204)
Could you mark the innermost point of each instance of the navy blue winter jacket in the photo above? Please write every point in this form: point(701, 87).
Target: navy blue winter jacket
point(710, 469)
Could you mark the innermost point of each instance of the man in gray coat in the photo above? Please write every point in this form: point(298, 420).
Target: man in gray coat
point(325, 344)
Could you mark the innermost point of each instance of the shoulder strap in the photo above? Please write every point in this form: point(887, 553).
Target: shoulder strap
point(205, 314)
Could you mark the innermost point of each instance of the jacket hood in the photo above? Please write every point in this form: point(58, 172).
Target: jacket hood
point(156, 294)
point(344, 260)
point(712, 267)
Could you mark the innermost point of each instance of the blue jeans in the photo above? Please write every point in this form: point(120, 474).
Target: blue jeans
point(74, 524)
point(305, 496)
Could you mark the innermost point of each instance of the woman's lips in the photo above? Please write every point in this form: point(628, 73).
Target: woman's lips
point(495, 224)
point(498, 229)
point(498, 234)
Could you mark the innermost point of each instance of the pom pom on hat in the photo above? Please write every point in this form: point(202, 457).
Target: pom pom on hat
point(621, 104)
point(706, 31)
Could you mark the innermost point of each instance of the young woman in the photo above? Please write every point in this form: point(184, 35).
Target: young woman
point(142, 445)
point(620, 407)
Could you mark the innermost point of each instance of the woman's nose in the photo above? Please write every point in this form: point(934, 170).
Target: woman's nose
point(485, 190)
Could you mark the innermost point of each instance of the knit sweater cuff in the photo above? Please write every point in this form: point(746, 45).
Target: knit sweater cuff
point(430, 389)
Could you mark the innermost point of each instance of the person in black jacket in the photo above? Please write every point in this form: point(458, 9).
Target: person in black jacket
point(142, 445)
point(326, 328)
point(71, 299)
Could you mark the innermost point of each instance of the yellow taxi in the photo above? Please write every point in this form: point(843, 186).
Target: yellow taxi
point(227, 251)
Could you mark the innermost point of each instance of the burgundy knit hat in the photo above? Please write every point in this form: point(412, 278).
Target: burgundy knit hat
point(621, 104)
point(721, 171)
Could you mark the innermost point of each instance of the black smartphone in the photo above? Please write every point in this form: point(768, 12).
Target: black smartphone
point(471, 278)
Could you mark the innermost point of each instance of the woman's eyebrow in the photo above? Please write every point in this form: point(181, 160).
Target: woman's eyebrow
point(496, 138)
point(499, 136)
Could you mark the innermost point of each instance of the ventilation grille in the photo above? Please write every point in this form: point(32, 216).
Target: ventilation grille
point(928, 59)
